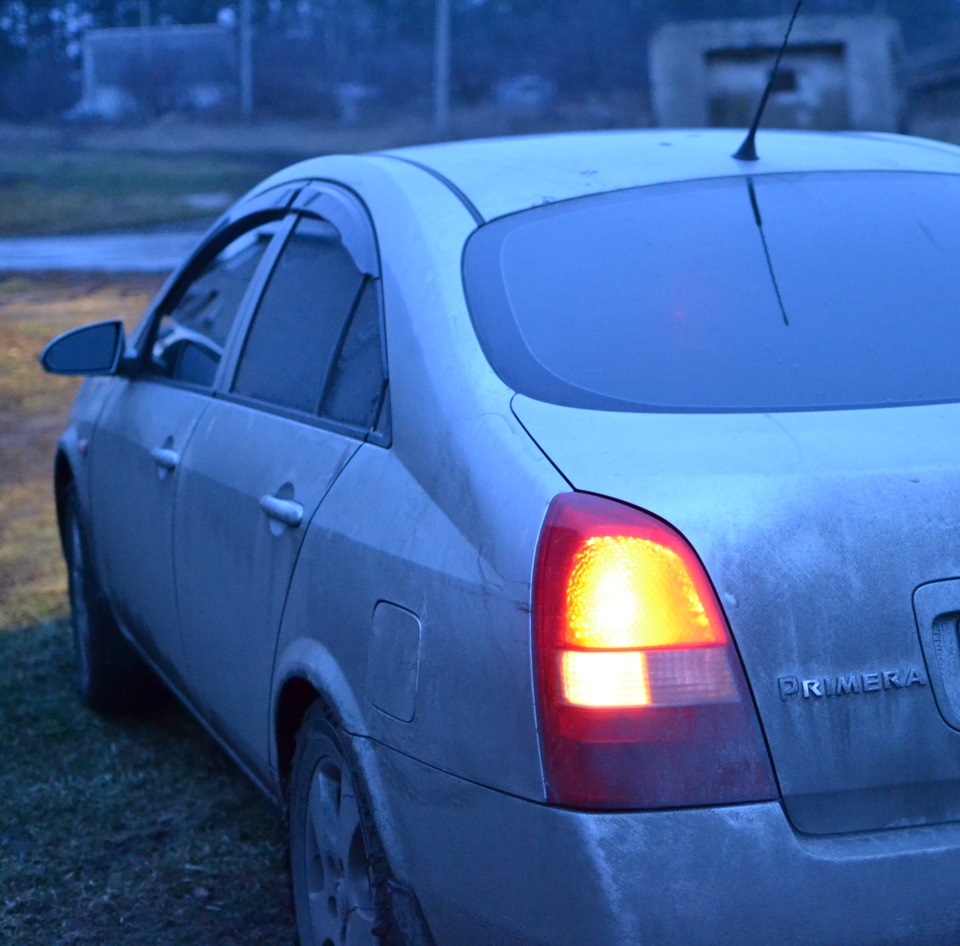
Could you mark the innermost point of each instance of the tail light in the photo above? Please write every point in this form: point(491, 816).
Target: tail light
point(642, 697)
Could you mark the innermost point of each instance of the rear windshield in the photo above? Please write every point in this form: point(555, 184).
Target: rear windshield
point(780, 292)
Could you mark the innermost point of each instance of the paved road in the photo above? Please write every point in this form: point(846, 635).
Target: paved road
point(137, 252)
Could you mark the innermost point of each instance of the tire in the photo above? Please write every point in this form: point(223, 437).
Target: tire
point(111, 676)
point(335, 854)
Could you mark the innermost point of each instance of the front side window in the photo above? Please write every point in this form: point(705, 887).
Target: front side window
point(192, 334)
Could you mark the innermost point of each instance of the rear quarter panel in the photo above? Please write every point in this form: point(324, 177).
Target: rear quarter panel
point(444, 523)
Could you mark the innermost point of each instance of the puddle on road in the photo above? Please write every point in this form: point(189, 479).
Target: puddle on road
point(212, 202)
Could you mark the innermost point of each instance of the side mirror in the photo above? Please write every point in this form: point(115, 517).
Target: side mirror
point(88, 350)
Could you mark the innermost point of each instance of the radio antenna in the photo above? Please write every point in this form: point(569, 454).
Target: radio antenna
point(748, 150)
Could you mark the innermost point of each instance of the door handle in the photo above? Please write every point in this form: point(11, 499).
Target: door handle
point(165, 458)
point(287, 511)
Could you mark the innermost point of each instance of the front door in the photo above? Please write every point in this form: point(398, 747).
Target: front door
point(139, 444)
point(134, 455)
point(261, 461)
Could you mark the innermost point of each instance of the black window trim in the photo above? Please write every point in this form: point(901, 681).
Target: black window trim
point(303, 417)
point(374, 434)
point(375, 285)
point(287, 203)
point(251, 303)
point(341, 341)
point(230, 363)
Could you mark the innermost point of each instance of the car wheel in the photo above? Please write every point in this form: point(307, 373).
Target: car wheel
point(332, 845)
point(111, 675)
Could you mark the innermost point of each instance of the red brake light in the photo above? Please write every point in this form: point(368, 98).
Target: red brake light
point(643, 702)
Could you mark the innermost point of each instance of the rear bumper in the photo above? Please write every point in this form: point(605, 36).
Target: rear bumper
point(493, 870)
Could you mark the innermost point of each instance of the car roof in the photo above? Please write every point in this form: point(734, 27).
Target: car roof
point(504, 175)
point(499, 176)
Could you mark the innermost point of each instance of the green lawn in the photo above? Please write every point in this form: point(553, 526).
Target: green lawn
point(65, 191)
point(125, 832)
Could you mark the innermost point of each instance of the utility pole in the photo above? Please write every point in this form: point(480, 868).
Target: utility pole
point(246, 59)
point(441, 69)
point(146, 52)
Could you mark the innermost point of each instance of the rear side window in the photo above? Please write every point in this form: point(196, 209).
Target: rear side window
point(781, 292)
point(356, 384)
point(314, 345)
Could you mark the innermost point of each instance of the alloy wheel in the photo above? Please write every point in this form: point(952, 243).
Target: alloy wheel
point(340, 897)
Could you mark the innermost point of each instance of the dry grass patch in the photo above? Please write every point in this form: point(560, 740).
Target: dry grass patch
point(33, 411)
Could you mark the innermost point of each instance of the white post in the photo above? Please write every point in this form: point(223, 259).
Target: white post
point(146, 47)
point(89, 72)
point(246, 59)
point(441, 69)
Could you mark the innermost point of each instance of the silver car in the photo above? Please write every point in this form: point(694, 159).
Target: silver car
point(564, 530)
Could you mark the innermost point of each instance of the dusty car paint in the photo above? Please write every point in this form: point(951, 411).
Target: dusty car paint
point(816, 529)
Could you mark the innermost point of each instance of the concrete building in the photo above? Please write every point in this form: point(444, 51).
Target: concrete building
point(839, 72)
point(933, 78)
point(136, 72)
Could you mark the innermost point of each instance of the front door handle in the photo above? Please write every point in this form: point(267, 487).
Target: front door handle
point(287, 511)
point(165, 458)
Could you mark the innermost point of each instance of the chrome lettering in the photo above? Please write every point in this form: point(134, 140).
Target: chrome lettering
point(789, 686)
point(891, 678)
point(914, 678)
point(850, 684)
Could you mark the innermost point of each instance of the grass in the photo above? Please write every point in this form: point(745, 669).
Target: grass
point(125, 832)
point(33, 408)
point(66, 191)
point(58, 179)
point(113, 832)
point(75, 179)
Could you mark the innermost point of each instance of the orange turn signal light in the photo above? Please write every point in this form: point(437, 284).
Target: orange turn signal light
point(632, 591)
point(636, 622)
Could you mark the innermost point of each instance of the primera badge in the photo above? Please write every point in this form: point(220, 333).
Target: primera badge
point(852, 684)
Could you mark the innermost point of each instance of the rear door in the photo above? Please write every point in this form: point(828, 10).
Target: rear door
point(144, 430)
point(262, 459)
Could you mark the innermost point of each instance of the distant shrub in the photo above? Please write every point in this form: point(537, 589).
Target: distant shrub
point(39, 84)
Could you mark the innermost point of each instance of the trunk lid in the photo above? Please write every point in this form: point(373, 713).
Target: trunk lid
point(831, 538)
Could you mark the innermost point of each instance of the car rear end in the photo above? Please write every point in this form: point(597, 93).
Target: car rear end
point(824, 807)
point(745, 610)
point(493, 868)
